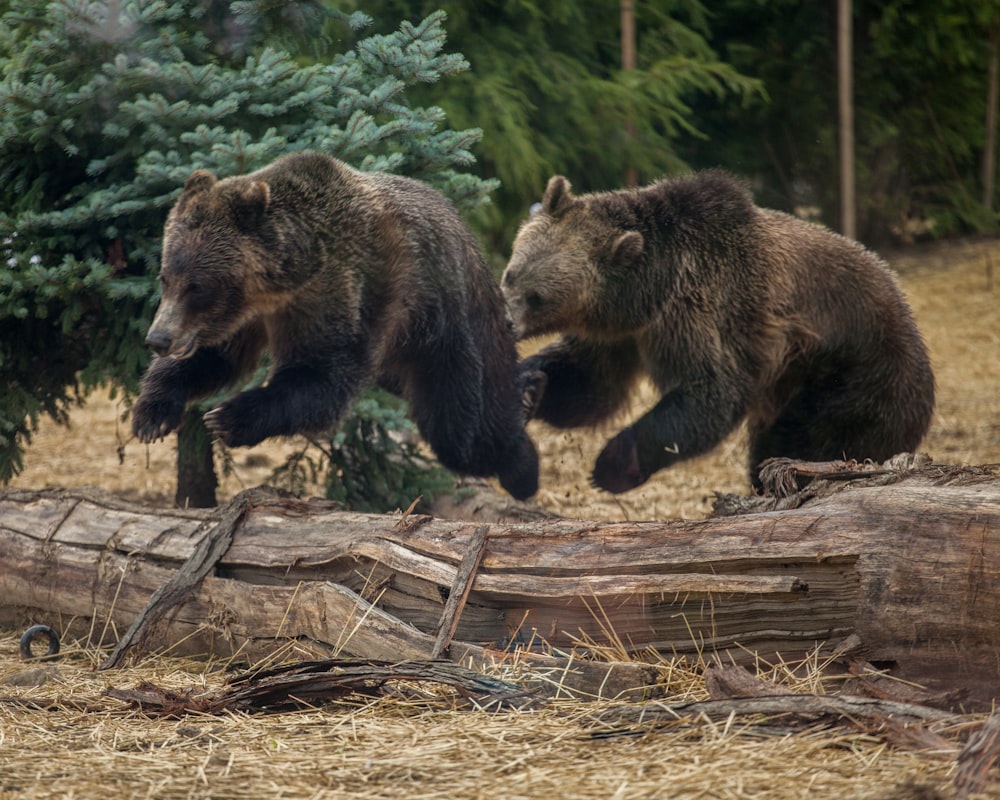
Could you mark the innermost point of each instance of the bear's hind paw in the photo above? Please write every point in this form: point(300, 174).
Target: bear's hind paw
point(225, 425)
point(216, 423)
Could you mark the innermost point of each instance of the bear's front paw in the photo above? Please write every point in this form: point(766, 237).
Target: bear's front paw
point(617, 468)
point(230, 425)
point(154, 419)
point(532, 383)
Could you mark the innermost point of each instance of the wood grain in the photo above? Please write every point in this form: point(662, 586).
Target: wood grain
point(911, 567)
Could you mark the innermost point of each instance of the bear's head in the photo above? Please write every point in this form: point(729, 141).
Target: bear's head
point(567, 261)
point(212, 264)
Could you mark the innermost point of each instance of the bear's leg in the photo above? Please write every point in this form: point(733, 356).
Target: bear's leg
point(517, 467)
point(446, 402)
point(807, 431)
point(684, 423)
point(576, 382)
point(472, 420)
point(531, 388)
point(169, 384)
point(847, 414)
point(503, 440)
point(297, 398)
point(788, 436)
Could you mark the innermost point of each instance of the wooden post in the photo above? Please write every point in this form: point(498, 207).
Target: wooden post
point(845, 104)
point(989, 146)
point(627, 9)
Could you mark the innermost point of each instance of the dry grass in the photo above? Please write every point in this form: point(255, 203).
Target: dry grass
point(63, 738)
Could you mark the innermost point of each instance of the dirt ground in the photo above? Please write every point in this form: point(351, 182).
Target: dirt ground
point(951, 287)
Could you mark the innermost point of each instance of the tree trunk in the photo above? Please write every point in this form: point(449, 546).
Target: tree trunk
point(626, 9)
point(909, 563)
point(990, 139)
point(845, 118)
point(196, 479)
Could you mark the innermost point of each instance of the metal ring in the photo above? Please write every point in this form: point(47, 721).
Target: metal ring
point(34, 632)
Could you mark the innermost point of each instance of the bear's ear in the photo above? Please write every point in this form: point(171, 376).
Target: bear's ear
point(249, 203)
point(201, 180)
point(558, 195)
point(627, 248)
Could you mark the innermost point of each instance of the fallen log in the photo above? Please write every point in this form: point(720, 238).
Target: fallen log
point(906, 562)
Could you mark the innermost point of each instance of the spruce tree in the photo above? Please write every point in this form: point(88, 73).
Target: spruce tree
point(106, 108)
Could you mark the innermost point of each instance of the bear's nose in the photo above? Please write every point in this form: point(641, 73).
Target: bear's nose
point(159, 342)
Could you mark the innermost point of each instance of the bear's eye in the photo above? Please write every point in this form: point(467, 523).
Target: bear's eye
point(534, 300)
point(198, 296)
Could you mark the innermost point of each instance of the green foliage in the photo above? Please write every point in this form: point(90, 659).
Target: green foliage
point(920, 90)
point(743, 84)
point(547, 88)
point(371, 462)
point(921, 73)
point(106, 108)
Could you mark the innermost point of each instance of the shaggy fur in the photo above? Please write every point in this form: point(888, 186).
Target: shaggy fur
point(733, 311)
point(345, 278)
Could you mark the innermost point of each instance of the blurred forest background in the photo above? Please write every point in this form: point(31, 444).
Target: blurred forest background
point(105, 108)
point(747, 85)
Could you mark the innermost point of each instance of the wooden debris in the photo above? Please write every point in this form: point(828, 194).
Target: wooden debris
point(725, 683)
point(311, 683)
point(873, 682)
point(977, 758)
point(780, 714)
point(460, 589)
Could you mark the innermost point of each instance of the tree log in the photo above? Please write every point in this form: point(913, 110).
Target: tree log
point(908, 562)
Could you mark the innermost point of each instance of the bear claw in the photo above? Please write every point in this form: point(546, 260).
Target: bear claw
point(152, 422)
point(214, 422)
point(225, 423)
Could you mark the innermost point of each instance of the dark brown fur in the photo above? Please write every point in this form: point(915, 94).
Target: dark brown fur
point(732, 310)
point(345, 278)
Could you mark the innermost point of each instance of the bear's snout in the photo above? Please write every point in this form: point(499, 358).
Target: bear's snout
point(171, 334)
point(159, 342)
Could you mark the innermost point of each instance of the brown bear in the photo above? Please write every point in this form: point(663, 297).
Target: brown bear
point(733, 311)
point(345, 279)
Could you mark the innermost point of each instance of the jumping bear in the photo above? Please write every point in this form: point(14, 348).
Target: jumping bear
point(345, 278)
point(733, 311)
